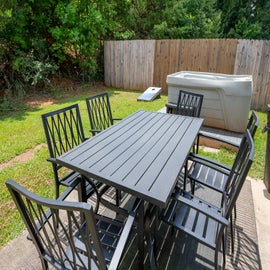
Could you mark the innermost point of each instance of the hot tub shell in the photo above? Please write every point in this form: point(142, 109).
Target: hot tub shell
point(226, 101)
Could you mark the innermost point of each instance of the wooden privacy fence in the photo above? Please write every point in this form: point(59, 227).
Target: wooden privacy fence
point(138, 64)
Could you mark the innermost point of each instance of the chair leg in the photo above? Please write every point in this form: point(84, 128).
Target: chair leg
point(192, 186)
point(232, 233)
point(224, 250)
point(223, 243)
point(140, 229)
point(57, 190)
point(117, 197)
point(150, 241)
point(216, 258)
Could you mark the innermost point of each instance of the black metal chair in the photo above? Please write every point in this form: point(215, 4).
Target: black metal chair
point(252, 126)
point(188, 104)
point(63, 129)
point(100, 118)
point(65, 240)
point(204, 221)
point(99, 112)
point(213, 174)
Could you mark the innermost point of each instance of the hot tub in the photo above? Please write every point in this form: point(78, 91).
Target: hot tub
point(226, 101)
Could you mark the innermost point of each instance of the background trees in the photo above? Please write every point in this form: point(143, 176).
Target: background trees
point(40, 39)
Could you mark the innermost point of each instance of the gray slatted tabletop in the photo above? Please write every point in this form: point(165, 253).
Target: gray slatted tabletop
point(142, 154)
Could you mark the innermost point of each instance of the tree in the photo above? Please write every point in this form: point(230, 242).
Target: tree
point(159, 19)
point(239, 20)
point(189, 19)
point(40, 37)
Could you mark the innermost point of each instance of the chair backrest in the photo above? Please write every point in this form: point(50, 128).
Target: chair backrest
point(189, 104)
point(253, 123)
point(239, 172)
point(63, 129)
point(64, 239)
point(99, 112)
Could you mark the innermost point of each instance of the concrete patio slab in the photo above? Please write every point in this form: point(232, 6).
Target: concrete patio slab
point(252, 241)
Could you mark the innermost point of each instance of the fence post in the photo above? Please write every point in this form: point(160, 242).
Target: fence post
point(267, 153)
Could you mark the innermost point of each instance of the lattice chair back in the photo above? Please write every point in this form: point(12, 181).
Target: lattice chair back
point(68, 235)
point(99, 112)
point(189, 104)
point(63, 129)
point(62, 237)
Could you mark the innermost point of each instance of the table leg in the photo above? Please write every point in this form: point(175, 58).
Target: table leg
point(141, 236)
point(149, 232)
point(82, 190)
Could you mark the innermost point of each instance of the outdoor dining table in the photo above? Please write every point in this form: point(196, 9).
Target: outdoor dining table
point(142, 155)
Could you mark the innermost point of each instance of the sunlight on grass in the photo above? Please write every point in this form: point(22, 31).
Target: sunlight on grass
point(23, 130)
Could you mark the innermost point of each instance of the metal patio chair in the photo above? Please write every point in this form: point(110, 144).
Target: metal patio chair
point(213, 174)
point(252, 126)
point(204, 221)
point(100, 118)
point(100, 113)
point(65, 240)
point(64, 131)
point(188, 104)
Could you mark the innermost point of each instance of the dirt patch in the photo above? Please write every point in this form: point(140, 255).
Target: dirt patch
point(210, 149)
point(38, 101)
point(24, 157)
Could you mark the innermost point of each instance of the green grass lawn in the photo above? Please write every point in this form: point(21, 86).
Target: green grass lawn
point(22, 130)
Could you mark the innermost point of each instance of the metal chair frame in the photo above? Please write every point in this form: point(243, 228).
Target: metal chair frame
point(188, 104)
point(64, 239)
point(204, 221)
point(215, 175)
point(252, 126)
point(64, 131)
point(100, 118)
point(99, 112)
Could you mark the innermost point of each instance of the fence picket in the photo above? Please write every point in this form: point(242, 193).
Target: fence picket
point(138, 64)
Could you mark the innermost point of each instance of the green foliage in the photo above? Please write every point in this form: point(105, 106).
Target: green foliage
point(40, 37)
point(245, 30)
point(77, 35)
point(189, 19)
point(33, 70)
point(245, 19)
point(158, 19)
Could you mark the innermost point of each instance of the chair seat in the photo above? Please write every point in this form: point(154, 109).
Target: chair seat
point(82, 258)
point(71, 235)
point(109, 231)
point(68, 179)
point(208, 176)
point(196, 217)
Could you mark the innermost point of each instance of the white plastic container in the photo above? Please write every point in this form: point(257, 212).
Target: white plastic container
point(226, 101)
